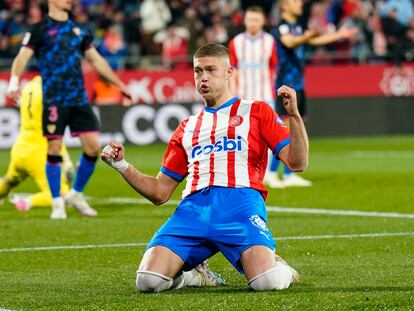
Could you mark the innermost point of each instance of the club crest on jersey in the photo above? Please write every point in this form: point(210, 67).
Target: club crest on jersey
point(76, 31)
point(224, 144)
point(258, 222)
point(235, 120)
point(51, 128)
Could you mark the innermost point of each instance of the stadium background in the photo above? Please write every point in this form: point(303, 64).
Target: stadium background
point(350, 235)
point(361, 87)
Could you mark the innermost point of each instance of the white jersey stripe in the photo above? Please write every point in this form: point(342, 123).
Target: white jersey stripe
point(241, 159)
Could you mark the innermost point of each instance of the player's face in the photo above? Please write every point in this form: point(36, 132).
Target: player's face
point(254, 22)
point(64, 5)
point(211, 76)
point(294, 7)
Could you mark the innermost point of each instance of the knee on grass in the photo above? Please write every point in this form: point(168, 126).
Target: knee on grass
point(279, 277)
point(152, 282)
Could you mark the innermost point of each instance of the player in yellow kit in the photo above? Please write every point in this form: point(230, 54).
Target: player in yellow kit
point(28, 154)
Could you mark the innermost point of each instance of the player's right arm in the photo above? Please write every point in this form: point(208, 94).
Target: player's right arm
point(18, 67)
point(156, 189)
point(291, 41)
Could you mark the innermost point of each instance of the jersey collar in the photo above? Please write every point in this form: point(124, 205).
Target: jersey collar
point(225, 105)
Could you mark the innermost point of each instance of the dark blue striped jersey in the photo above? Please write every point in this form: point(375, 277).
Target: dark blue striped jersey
point(291, 63)
point(59, 48)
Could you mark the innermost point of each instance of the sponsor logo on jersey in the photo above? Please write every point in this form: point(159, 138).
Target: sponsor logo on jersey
point(235, 120)
point(52, 32)
point(223, 145)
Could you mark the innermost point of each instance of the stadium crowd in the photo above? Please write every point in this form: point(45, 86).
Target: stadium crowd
point(131, 33)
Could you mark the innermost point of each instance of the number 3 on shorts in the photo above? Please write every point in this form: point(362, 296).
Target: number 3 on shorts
point(53, 113)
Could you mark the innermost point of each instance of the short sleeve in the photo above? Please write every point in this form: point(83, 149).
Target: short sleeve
point(33, 38)
point(274, 131)
point(86, 40)
point(175, 162)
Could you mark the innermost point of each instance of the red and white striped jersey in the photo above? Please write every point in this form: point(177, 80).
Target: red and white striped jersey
point(226, 147)
point(255, 58)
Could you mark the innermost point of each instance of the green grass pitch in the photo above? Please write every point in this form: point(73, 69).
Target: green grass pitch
point(340, 269)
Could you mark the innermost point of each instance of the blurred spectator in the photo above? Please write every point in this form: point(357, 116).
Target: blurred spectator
point(104, 93)
point(113, 47)
point(174, 45)
point(155, 15)
point(397, 20)
point(217, 32)
point(220, 20)
point(195, 26)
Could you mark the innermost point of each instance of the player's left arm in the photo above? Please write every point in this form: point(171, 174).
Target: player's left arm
point(102, 67)
point(295, 154)
point(344, 33)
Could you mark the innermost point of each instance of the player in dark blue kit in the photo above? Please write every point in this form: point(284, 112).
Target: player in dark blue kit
point(290, 41)
point(59, 43)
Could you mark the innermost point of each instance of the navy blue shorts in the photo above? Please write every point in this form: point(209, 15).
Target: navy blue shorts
point(216, 219)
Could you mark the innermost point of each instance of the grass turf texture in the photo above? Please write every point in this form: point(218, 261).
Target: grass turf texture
point(368, 174)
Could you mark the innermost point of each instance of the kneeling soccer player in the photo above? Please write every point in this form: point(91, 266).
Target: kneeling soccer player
point(222, 152)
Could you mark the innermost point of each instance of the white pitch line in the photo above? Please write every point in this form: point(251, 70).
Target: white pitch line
point(300, 210)
point(297, 237)
point(382, 154)
point(275, 209)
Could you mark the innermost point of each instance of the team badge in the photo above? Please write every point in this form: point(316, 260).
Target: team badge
point(258, 222)
point(51, 128)
point(76, 31)
point(235, 120)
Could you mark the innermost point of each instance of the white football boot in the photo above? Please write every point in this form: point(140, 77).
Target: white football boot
point(58, 209)
point(293, 180)
point(272, 180)
point(77, 200)
point(208, 277)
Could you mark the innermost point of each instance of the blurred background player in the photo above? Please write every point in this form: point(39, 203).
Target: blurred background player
point(28, 154)
point(290, 41)
point(59, 44)
point(253, 57)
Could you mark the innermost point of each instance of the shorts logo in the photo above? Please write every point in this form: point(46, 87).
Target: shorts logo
point(235, 120)
point(51, 128)
point(258, 222)
point(224, 144)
